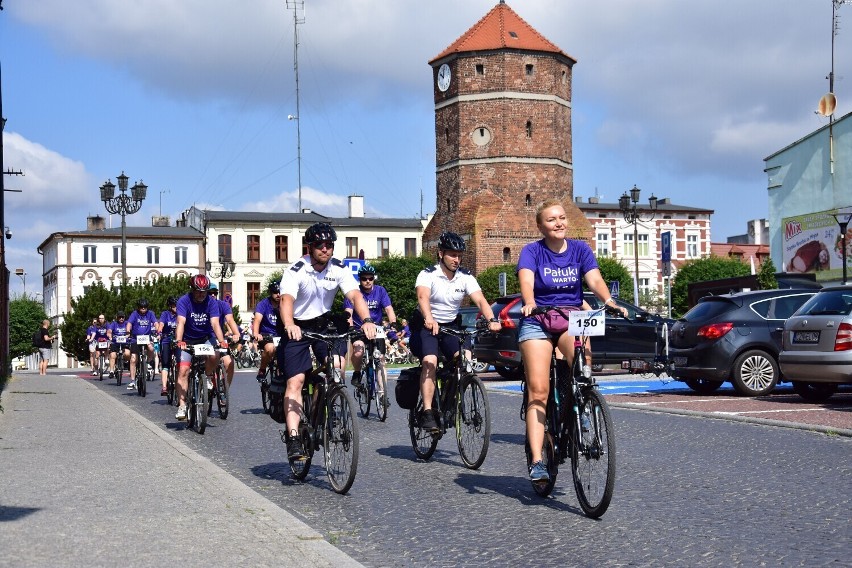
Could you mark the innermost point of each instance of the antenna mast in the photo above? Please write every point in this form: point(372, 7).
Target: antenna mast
point(835, 28)
point(295, 5)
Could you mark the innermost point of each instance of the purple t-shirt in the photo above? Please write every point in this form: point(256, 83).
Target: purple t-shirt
point(142, 324)
point(268, 324)
point(101, 333)
point(91, 330)
point(197, 326)
point(558, 276)
point(169, 321)
point(377, 300)
point(118, 329)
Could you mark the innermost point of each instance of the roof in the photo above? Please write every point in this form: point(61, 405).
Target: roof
point(661, 206)
point(310, 218)
point(174, 233)
point(501, 28)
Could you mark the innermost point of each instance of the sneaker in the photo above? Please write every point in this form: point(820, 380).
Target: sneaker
point(260, 374)
point(427, 421)
point(131, 385)
point(356, 378)
point(94, 373)
point(295, 451)
point(538, 472)
point(210, 383)
point(181, 413)
point(164, 392)
point(111, 374)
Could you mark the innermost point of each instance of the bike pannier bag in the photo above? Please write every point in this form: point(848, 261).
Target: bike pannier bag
point(408, 387)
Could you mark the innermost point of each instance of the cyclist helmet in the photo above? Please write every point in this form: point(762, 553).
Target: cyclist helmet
point(199, 282)
point(142, 303)
point(367, 270)
point(319, 232)
point(273, 288)
point(451, 241)
point(171, 301)
point(213, 289)
point(119, 315)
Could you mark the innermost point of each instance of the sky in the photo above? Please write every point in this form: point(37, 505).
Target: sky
point(682, 99)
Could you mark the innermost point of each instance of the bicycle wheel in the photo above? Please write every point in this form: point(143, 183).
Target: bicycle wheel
point(300, 467)
point(364, 391)
point(264, 390)
point(473, 421)
point(543, 488)
point(119, 367)
point(201, 403)
point(102, 367)
point(381, 391)
point(340, 440)
point(170, 383)
point(141, 375)
point(191, 393)
point(422, 441)
point(593, 455)
point(222, 392)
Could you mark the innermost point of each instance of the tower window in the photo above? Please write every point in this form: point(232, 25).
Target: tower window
point(448, 205)
point(447, 134)
point(480, 69)
point(529, 129)
point(564, 77)
point(530, 68)
point(506, 254)
point(528, 200)
point(513, 34)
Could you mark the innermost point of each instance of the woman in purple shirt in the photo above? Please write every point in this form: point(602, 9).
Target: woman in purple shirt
point(551, 272)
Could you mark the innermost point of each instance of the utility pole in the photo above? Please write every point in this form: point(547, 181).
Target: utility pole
point(295, 5)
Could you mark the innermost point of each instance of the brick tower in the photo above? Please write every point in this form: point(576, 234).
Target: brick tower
point(502, 138)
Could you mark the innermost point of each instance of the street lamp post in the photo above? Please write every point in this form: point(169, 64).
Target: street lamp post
point(124, 205)
point(226, 270)
point(23, 274)
point(843, 219)
point(633, 216)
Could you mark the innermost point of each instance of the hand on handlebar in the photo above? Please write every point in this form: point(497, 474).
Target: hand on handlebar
point(181, 345)
point(432, 326)
point(527, 309)
point(294, 332)
point(369, 330)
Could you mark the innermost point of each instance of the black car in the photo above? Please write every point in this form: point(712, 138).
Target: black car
point(633, 343)
point(468, 320)
point(733, 337)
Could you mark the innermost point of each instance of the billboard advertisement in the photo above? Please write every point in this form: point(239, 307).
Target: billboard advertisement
point(812, 243)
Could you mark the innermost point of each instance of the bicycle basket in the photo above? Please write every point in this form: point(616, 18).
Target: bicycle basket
point(408, 387)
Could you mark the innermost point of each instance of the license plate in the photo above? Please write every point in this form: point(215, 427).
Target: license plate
point(805, 337)
point(680, 361)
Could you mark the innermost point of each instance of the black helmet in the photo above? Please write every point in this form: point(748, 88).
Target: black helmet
point(199, 282)
point(319, 232)
point(119, 315)
point(273, 288)
point(171, 301)
point(451, 241)
point(368, 269)
point(142, 303)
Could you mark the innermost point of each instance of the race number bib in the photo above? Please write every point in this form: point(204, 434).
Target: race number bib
point(380, 332)
point(143, 339)
point(121, 339)
point(204, 349)
point(103, 344)
point(586, 323)
point(276, 341)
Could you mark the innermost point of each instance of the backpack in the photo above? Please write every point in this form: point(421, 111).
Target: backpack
point(38, 339)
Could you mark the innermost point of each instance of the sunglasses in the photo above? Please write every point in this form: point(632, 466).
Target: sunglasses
point(367, 278)
point(324, 245)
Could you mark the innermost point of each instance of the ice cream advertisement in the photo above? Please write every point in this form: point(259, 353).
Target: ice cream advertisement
point(813, 243)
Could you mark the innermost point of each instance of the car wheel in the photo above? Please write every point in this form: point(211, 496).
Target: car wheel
point(510, 373)
point(597, 367)
point(703, 386)
point(479, 366)
point(755, 373)
point(814, 392)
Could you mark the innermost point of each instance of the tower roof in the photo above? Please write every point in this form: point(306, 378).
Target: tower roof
point(501, 28)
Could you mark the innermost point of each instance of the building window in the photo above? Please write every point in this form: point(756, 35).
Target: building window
point(529, 68)
point(564, 77)
point(351, 247)
point(447, 135)
point(252, 248)
point(627, 249)
point(281, 251)
point(602, 242)
point(644, 248)
point(252, 294)
point(116, 254)
point(90, 254)
point(225, 247)
point(644, 286)
point(180, 255)
point(153, 255)
point(410, 247)
point(691, 246)
point(529, 129)
point(227, 291)
point(507, 254)
point(480, 69)
point(528, 200)
point(383, 247)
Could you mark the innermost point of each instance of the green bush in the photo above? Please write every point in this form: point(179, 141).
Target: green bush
point(702, 270)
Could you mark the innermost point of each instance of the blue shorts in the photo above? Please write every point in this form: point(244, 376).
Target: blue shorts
point(423, 343)
point(531, 329)
point(294, 358)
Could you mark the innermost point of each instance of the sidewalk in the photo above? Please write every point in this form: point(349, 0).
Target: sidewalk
point(86, 481)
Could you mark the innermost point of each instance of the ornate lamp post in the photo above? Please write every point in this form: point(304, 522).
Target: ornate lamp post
point(633, 216)
point(124, 205)
point(843, 219)
point(225, 270)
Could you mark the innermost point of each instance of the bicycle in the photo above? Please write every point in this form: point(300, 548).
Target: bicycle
point(578, 423)
point(374, 378)
point(103, 359)
point(171, 374)
point(197, 395)
point(121, 341)
point(326, 417)
point(460, 402)
point(271, 371)
point(142, 364)
point(220, 386)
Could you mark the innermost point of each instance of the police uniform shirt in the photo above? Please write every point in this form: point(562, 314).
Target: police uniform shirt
point(445, 295)
point(313, 291)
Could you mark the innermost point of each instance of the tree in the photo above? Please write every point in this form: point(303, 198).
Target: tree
point(766, 275)
point(612, 270)
point(489, 281)
point(25, 318)
point(398, 275)
point(702, 270)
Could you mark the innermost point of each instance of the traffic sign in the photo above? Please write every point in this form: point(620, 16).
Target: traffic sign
point(666, 246)
point(614, 288)
point(354, 264)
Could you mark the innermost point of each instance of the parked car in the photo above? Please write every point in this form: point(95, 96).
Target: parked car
point(468, 320)
point(733, 337)
point(636, 339)
point(817, 345)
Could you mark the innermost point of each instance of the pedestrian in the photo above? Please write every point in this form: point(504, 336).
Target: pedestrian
point(45, 347)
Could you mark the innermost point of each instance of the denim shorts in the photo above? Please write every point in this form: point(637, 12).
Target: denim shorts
point(531, 329)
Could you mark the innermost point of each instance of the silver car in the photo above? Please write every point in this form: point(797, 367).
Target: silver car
point(816, 354)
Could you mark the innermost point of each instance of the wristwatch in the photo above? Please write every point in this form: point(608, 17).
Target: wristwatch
point(367, 320)
point(494, 320)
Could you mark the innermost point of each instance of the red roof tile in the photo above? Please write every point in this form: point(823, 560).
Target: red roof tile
point(501, 28)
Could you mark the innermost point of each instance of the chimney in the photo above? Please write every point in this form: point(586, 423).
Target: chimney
point(160, 221)
point(356, 206)
point(578, 199)
point(594, 200)
point(95, 223)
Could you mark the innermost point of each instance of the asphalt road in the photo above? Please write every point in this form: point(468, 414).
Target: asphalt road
point(689, 492)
